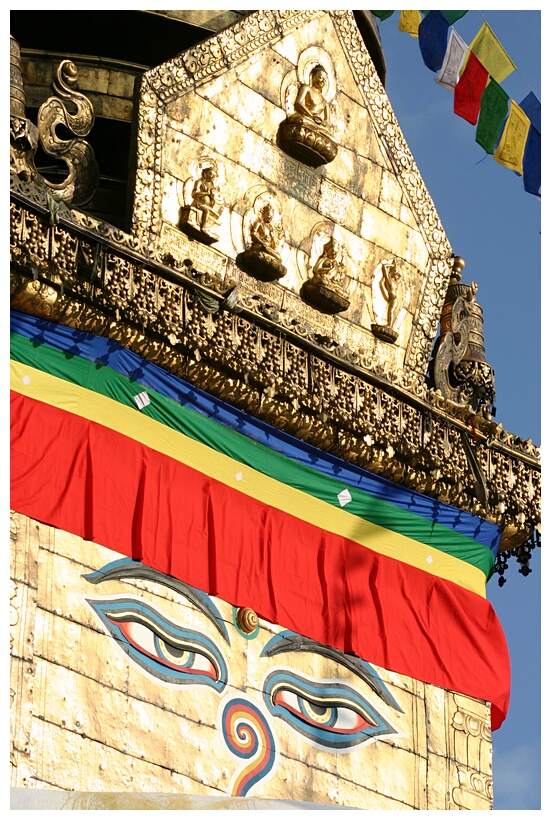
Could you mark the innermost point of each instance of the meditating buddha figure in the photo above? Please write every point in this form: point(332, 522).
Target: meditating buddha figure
point(311, 107)
point(326, 289)
point(306, 134)
point(329, 270)
point(265, 235)
point(262, 256)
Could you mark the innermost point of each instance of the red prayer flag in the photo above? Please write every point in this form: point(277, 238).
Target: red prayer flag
point(469, 89)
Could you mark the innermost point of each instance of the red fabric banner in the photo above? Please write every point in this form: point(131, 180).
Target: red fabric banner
point(468, 91)
point(105, 487)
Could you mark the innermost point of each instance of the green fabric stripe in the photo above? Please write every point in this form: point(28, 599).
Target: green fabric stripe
point(102, 379)
point(494, 107)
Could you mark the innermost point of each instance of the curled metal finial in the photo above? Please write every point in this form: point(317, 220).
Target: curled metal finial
point(82, 180)
point(23, 133)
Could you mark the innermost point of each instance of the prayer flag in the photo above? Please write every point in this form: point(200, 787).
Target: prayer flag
point(510, 151)
point(468, 91)
point(409, 22)
point(531, 165)
point(494, 108)
point(433, 39)
point(453, 61)
point(382, 15)
point(491, 54)
point(532, 108)
point(453, 16)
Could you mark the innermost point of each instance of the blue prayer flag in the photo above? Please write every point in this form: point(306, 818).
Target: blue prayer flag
point(532, 108)
point(531, 164)
point(433, 39)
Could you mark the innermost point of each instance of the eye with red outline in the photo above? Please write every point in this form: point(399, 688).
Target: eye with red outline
point(336, 717)
point(164, 649)
point(329, 713)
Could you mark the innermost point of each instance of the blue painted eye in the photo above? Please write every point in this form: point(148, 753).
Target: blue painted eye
point(164, 649)
point(328, 713)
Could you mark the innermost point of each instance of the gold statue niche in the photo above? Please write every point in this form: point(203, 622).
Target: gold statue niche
point(264, 240)
point(306, 134)
point(199, 217)
point(325, 290)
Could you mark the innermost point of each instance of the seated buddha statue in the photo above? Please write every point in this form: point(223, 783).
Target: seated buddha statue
point(264, 234)
point(306, 133)
point(325, 290)
point(262, 256)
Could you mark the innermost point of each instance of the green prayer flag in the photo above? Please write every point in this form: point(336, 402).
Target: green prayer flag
point(494, 108)
point(452, 16)
point(382, 15)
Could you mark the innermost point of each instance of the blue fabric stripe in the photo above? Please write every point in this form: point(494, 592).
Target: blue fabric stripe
point(108, 352)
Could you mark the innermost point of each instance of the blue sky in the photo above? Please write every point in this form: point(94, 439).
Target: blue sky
point(495, 226)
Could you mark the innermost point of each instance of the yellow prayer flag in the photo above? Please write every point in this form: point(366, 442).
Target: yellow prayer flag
point(510, 151)
point(409, 22)
point(491, 54)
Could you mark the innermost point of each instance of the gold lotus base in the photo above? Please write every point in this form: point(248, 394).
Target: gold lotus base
point(323, 298)
point(385, 333)
point(306, 144)
point(261, 265)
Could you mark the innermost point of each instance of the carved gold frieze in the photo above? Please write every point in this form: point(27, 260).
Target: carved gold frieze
point(227, 97)
point(291, 176)
point(201, 257)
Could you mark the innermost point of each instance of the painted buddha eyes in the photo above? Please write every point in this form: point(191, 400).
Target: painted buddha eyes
point(169, 652)
point(328, 713)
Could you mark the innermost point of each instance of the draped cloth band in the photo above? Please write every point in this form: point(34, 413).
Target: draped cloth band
point(99, 466)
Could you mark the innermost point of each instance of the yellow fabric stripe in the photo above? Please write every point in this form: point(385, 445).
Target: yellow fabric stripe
point(97, 408)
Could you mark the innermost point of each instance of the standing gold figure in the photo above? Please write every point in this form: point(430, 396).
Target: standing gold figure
point(389, 289)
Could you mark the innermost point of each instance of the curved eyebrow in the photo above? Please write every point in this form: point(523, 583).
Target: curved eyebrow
point(126, 568)
point(288, 641)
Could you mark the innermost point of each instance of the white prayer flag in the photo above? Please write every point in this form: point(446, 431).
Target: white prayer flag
point(454, 58)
